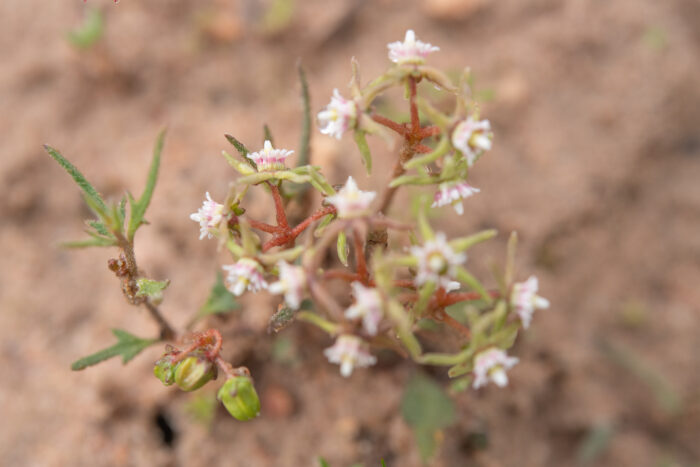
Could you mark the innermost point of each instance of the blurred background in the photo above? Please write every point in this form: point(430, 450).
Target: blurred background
point(595, 107)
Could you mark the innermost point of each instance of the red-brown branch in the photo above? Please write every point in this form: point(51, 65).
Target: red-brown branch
point(279, 206)
point(263, 226)
point(389, 123)
point(360, 262)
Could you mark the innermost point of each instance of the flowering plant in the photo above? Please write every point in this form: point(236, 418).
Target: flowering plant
point(399, 274)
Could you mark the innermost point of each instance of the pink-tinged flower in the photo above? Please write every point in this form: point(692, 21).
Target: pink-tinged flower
point(351, 201)
point(209, 217)
point(368, 306)
point(349, 352)
point(491, 365)
point(269, 159)
point(472, 138)
point(437, 262)
point(410, 50)
point(245, 274)
point(291, 284)
point(525, 300)
point(454, 193)
point(338, 116)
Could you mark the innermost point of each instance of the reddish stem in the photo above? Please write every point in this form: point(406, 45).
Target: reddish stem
point(263, 226)
point(422, 148)
point(456, 297)
point(322, 212)
point(415, 119)
point(387, 122)
point(360, 261)
point(429, 131)
point(279, 206)
point(453, 323)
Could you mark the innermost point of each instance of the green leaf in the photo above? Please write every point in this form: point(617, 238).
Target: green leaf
point(127, 346)
point(220, 300)
point(267, 135)
point(151, 288)
point(92, 197)
point(322, 462)
point(464, 243)
point(138, 209)
point(342, 246)
point(240, 167)
point(362, 145)
point(99, 227)
point(465, 277)
point(304, 143)
point(242, 150)
point(426, 408)
point(95, 241)
point(88, 33)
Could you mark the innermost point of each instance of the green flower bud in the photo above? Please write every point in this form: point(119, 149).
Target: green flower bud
point(239, 397)
point(164, 369)
point(193, 372)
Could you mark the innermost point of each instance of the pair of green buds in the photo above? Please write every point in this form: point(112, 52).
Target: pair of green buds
point(195, 370)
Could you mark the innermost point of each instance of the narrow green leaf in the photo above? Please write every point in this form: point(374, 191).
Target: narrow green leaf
point(362, 145)
point(319, 182)
point(138, 209)
point(420, 179)
point(127, 346)
point(466, 278)
point(242, 150)
point(99, 227)
point(220, 300)
point(89, 32)
point(304, 143)
point(464, 243)
point(93, 198)
point(255, 178)
point(240, 167)
point(343, 248)
point(267, 135)
point(595, 443)
point(95, 241)
point(322, 462)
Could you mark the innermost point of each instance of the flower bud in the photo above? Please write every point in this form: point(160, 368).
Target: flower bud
point(239, 397)
point(164, 369)
point(194, 372)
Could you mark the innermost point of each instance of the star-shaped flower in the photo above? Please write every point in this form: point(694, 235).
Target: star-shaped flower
point(454, 193)
point(472, 138)
point(525, 300)
point(368, 306)
point(410, 50)
point(269, 159)
point(246, 273)
point(351, 201)
point(349, 352)
point(209, 217)
point(491, 365)
point(291, 284)
point(338, 116)
point(437, 262)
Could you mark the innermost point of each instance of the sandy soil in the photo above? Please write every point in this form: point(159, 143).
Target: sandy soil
point(596, 109)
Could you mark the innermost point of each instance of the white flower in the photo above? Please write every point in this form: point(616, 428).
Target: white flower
point(368, 306)
point(338, 116)
point(491, 365)
point(525, 300)
point(245, 274)
point(437, 262)
point(269, 159)
point(472, 138)
point(350, 201)
point(349, 351)
point(209, 217)
point(454, 193)
point(291, 284)
point(410, 50)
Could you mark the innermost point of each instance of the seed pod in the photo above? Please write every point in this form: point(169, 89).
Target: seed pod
point(194, 372)
point(240, 398)
point(164, 369)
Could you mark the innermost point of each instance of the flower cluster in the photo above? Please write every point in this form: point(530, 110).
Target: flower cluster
point(337, 257)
